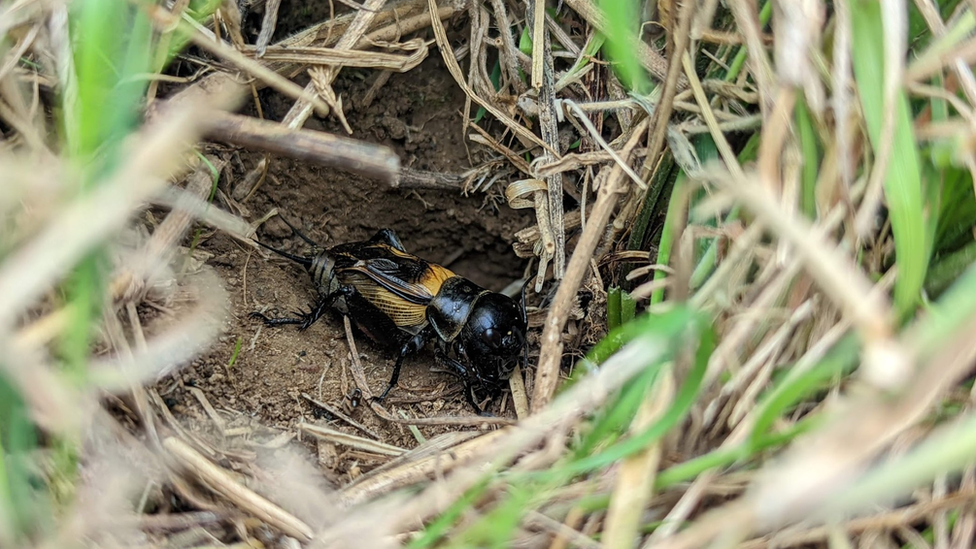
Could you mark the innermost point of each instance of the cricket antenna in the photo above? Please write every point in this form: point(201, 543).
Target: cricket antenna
point(305, 261)
point(299, 233)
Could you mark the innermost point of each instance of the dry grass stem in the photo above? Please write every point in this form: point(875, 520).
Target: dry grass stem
point(862, 426)
point(887, 519)
point(585, 120)
point(350, 58)
point(452, 65)
point(549, 115)
point(352, 441)
point(420, 469)
point(168, 350)
point(268, 24)
point(550, 355)
point(539, 38)
point(520, 399)
point(339, 414)
point(561, 531)
point(747, 21)
point(203, 211)
point(664, 108)
point(508, 443)
point(845, 285)
point(633, 488)
point(219, 481)
point(353, 155)
point(534, 193)
point(231, 55)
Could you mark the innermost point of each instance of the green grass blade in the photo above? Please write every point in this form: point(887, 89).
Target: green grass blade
point(613, 308)
point(683, 401)
point(948, 450)
point(949, 268)
point(623, 22)
point(675, 205)
point(739, 61)
point(811, 160)
point(953, 310)
point(440, 526)
point(903, 183)
point(24, 510)
point(724, 457)
point(799, 385)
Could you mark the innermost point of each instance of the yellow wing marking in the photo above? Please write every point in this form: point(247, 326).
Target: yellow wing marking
point(434, 278)
point(400, 311)
point(420, 291)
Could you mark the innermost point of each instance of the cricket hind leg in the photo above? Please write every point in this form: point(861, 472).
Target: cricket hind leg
point(306, 319)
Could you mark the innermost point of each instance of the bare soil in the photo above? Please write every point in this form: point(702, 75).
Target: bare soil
point(417, 114)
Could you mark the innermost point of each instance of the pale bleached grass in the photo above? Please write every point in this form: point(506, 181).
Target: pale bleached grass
point(792, 283)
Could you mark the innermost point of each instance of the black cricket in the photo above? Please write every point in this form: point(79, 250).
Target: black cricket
point(404, 302)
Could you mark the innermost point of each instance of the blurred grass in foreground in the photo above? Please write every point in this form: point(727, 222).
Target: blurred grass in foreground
point(114, 54)
point(926, 227)
point(714, 419)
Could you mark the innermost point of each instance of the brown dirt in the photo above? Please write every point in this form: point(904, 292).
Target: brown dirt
point(418, 115)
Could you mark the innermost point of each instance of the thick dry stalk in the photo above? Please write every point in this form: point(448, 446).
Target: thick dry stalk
point(360, 157)
point(204, 212)
point(352, 441)
point(413, 472)
point(539, 54)
point(221, 482)
point(550, 355)
point(268, 25)
point(549, 129)
point(349, 58)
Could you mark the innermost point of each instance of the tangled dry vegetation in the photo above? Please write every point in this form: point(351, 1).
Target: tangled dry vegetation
point(783, 186)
